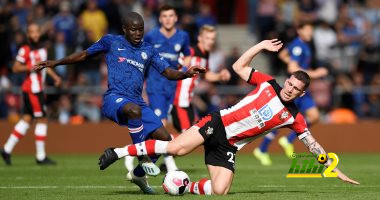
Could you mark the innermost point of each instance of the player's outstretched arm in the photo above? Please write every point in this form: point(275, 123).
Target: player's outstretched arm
point(241, 66)
point(316, 148)
point(172, 74)
point(223, 75)
point(71, 59)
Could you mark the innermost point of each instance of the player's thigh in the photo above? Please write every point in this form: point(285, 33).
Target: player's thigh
point(186, 142)
point(221, 179)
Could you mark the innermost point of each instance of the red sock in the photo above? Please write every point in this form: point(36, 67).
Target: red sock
point(149, 147)
point(202, 187)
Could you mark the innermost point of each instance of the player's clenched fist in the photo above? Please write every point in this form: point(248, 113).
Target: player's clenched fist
point(194, 70)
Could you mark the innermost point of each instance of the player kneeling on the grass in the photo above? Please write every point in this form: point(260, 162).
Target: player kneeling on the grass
point(223, 133)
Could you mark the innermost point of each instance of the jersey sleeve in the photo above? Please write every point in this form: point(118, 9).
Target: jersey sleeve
point(102, 45)
point(158, 62)
point(257, 77)
point(295, 52)
point(186, 45)
point(22, 54)
point(300, 127)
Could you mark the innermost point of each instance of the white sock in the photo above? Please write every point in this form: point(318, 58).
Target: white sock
point(121, 152)
point(128, 162)
point(40, 132)
point(19, 131)
point(170, 163)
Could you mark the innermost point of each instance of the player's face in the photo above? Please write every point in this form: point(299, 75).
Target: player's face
point(292, 89)
point(34, 33)
point(168, 19)
point(134, 32)
point(306, 33)
point(207, 40)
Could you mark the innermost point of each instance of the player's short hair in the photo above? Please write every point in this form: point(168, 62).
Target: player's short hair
point(301, 25)
point(166, 8)
point(129, 17)
point(207, 28)
point(302, 76)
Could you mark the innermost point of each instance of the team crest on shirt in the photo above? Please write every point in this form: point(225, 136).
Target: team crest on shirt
point(209, 131)
point(144, 56)
point(297, 51)
point(266, 113)
point(284, 115)
point(177, 47)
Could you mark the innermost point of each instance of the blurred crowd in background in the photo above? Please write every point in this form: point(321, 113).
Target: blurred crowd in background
point(346, 41)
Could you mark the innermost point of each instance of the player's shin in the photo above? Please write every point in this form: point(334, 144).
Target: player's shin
point(18, 132)
point(201, 187)
point(148, 147)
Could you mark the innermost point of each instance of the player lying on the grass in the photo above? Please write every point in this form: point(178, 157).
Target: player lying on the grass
point(223, 133)
point(128, 58)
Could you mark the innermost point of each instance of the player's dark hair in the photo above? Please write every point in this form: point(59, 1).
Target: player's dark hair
point(303, 24)
point(302, 76)
point(131, 17)
point(166, 8)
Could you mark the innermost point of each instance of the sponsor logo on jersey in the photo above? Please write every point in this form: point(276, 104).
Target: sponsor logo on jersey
point(255, 114)
point(121, 59)
point(170, 56)
point(266, 113)
point(138, 65)
point(144, 56)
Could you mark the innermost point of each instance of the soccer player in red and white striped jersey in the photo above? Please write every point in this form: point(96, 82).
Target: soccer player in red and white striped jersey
point(33, 96)
point(182, 112)
point(269, 106)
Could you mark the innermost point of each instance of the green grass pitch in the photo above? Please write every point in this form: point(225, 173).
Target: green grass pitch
point(78, 177)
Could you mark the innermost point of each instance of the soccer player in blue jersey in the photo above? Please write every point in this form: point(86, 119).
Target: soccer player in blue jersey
point(128, 59)
point(297, 55)
point(169, 41)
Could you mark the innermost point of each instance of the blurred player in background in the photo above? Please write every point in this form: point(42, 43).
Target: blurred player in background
point(183, 115)
point(128, 58)
point(223, 133)
point(297, 55)
point(169, 41)
point(33, 97)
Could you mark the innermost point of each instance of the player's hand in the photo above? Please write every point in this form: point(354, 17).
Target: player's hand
point(271, 45)
point(345, 178)
point(224, 75)
point(194, 70)
point(49, 63)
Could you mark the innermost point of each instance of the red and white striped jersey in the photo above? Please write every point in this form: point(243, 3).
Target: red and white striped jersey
point(28, 56)
point(259, 112)
point(184, 91)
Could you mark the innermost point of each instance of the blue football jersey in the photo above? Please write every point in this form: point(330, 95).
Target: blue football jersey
point(127, 64)
point(169, 49)
point(300, 52)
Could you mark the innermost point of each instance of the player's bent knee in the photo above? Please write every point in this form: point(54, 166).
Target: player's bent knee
point(219, 189)
point(175, 150)
point(132, 111)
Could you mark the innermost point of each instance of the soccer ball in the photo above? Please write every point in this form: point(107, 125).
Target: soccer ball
point(176, 183)
point(322, 158)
